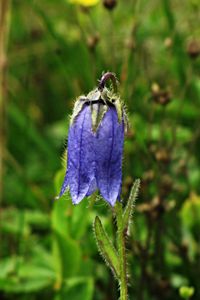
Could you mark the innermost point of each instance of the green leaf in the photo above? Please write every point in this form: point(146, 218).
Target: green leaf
point(66, 251)
point(24, 285)
point(13, 222)
point(67, 256)
point(61, 210)
point(80, 220)
point(69, 219)
point(8, 266)
point(36, 218)
point(77, 288)
point(106, 248)
point(43, 258)
point(186, 292)
point(22, 276)
point(20, 121)
point(128, 212)
point(190, 211)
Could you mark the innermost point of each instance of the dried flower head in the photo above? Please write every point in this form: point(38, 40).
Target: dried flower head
point(109, 4)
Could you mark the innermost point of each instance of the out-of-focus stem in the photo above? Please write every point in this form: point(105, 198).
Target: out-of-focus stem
point(4, 31)
point(178, 47)
point(121, 252)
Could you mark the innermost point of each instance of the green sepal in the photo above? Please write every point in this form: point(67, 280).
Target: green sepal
point(94, 95)
point(78, 106)
point(114, 99)
point(128, 211)
point(106, 248)
point(126, 120)
point(118, 106)
point(98, 111)
point(99, 102)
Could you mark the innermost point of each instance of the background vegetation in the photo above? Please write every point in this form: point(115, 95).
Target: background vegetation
point(56, 51)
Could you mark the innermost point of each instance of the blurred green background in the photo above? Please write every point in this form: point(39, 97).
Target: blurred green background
point(55, 52)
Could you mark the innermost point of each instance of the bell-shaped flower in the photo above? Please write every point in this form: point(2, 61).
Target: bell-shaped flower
point(95, 147)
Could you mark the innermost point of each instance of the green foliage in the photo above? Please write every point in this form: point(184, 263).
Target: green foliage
point(106, 248)
point(77, 289)
point(190, 211)
point(186, 292)
point(128, 211)
point(56, 51)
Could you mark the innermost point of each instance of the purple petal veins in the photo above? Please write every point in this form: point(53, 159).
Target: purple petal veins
point(80, 156)
point(108, 153)
point(92, 187)
point(95, 159)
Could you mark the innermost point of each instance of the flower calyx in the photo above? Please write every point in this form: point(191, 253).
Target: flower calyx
point(100, 100)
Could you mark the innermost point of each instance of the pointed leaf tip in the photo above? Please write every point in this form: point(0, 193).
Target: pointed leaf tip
point(106, 248)
point(128, 212)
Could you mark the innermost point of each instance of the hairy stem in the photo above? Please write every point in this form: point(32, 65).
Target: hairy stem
point(106, 77)
point(122, 252)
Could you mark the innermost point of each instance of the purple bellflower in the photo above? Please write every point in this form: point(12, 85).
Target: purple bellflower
point(95, 145)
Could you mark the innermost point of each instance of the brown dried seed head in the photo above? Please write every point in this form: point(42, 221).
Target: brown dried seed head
point(162, 97)
point(92, 41)
point(162, 155)
point(193, 48)
point(109, 4)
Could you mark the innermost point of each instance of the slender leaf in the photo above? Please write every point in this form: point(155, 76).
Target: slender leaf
point(128, 212)
point(106, 248)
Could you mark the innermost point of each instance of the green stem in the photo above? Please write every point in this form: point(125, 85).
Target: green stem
point(4, 31)
point(122, 252)
point(105, 77)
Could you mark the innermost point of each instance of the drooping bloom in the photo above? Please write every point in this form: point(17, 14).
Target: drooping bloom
point(95, 147)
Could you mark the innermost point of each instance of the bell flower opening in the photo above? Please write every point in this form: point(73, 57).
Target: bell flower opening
point(95, 146)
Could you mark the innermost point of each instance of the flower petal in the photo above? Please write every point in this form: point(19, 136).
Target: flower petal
point(64, 185)
point(92, 188)
point(81, 161)
point(108, 153)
